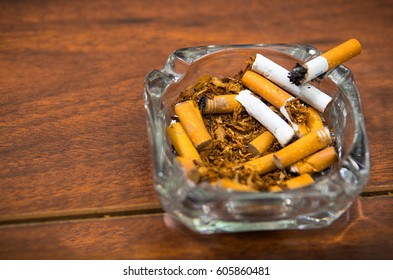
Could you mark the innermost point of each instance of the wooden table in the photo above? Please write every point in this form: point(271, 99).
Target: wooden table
point(75, 169)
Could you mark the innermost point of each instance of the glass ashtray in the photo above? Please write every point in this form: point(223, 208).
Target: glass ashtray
point(206, 208)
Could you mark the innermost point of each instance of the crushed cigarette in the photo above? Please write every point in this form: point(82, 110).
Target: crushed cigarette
point(316, 162)
point(233, 185)
point(301, 74)
point(262, 143)
point(266, 89)
point(261, 165)
point(219, 104)
point(260, 111)
point(301, 148)
point(181, 141)
point(189, 168)
point(192, 122)
point(299, 181)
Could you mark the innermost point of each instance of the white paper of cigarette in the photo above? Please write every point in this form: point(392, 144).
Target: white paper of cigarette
point(262, 113)
point(279, 75)
point(285, 113)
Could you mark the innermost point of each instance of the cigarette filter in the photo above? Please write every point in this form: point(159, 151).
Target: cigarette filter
point(266, 89)
point(275, 189)
point(189, 168)
point(182, 142)
point(316, 162)
point(219, 104)
point(235, 186)
point(301, 148)
point(262, 113)
point(324, 62)
point(314, 120)
point(261, 144)
point(192, 122)
point(278, 75)
point(294, 183)
point(261, 165)
point(299, 181)
point(302, 130)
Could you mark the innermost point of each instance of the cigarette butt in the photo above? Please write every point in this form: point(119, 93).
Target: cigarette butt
point(266, 89)
point(181, 141)
point(314, 120)
point(219, 104)
point(278, 75)
point(299, 181)
point(261, 144)
point(261, 165)
point(275, 189)
point(189, 168)
point(316, 162)
point(301, 148)
point(301, 74)
point(192, 122)
point(342, 53)
point(233, 185)
point(294, 183)
point(262, 113)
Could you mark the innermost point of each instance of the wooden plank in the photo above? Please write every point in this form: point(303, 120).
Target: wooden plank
point(363, 233)
point(72, 130)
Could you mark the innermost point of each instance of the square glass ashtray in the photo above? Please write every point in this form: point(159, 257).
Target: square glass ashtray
point(206, 208)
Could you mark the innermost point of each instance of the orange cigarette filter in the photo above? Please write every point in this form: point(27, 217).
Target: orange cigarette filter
point(316, 162)
point(342, 53)
point(192, 122)
point(182, 142)
point(275, 189)
point(326, 61)
point(261, 144)
point(261, 165)
point(233, 185)
point(266, 89)
point(301, 148)
point(220, 104)
point(294, 183)
point(302, 129)
point(189, 168)
point(299, 181)
point(314, 120)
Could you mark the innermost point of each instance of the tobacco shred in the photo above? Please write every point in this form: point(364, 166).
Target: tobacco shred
point(297, 111)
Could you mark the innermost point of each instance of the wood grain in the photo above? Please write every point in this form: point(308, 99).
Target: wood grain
point(362, 233)
point(73, 141)
point(73, 132)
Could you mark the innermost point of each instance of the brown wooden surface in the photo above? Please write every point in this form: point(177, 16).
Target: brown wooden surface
point(158, 237)
point(73, 141)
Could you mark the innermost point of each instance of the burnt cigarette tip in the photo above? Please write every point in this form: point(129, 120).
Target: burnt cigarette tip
point(202, 103)
point(297, 74)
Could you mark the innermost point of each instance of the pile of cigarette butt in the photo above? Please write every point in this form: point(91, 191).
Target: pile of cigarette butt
point(256, 131)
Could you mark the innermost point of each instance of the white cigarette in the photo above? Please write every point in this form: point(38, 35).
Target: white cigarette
point(301, 74)
point(279, 75)
point(262, 113)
